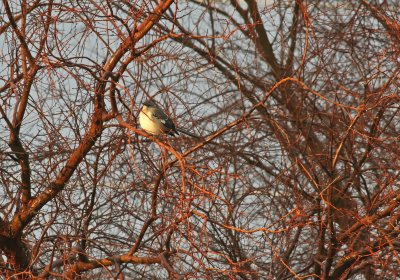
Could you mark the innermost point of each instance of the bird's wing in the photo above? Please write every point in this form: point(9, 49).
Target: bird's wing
point(165, 120)
point(159, 114)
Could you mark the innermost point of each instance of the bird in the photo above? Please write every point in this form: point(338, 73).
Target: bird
point(154, 121)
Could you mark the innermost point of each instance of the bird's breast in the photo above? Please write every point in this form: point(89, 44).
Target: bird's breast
point(148, 124)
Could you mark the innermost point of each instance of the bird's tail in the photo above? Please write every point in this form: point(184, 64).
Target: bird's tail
point(187, 133)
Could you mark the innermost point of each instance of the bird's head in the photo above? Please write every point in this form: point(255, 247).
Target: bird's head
point(150, 104)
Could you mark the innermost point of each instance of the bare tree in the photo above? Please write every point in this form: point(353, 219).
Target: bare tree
point(296, 174)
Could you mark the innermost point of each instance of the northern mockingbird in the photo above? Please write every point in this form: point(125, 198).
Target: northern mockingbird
point(154, 121)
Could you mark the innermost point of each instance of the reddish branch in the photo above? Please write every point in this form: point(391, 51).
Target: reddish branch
point(391, 26)
point(85, 266)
